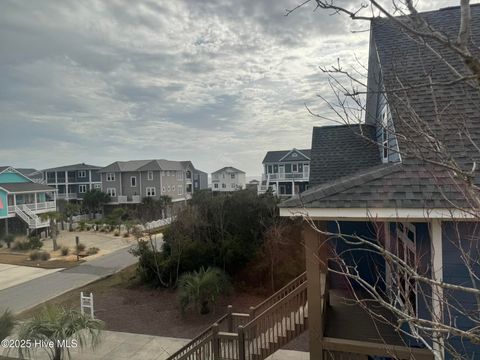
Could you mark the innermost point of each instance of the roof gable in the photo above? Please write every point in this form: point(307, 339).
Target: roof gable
point(286, 155)
point(9, 175)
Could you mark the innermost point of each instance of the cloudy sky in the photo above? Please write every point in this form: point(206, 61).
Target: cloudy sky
point(218, 82)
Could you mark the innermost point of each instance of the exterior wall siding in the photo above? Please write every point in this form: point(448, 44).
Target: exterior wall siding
point(12, 177)
point(456, 236)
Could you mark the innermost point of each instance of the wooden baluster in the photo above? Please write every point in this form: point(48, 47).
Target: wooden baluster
point(241, 343)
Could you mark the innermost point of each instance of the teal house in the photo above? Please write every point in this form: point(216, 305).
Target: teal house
point(22, 200)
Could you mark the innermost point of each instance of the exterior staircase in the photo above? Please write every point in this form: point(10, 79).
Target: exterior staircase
point(33, 220)
point(254, 336)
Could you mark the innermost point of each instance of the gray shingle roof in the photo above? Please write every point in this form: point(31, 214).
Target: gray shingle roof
point(229, 168)
point(25, 187)
point(413, 183)
point(341, 150)
point(74, 167)
point(276, 156)
point(145, 165)
point(393, 185)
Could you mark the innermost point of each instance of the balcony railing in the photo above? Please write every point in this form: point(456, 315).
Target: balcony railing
point(67, 196)
point(286, 176)
point(41, 206)
point(123, 199)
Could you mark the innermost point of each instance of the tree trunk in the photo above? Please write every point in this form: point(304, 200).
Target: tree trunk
point(57, 354)
point(53, 227)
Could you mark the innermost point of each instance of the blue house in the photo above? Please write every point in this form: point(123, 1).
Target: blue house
point(22, 200)
point(391, 232)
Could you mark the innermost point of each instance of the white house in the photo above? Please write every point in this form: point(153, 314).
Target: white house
point(228, 179)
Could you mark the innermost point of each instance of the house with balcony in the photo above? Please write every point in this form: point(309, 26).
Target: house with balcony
point(200, 180)
point(128, 182)
point(72, 181)
point(286, 172)
point(391, 232)
point(22, 200)
point(228, 179)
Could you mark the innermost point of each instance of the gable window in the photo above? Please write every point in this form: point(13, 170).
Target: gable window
point(179, 175)
point(133, 181)
point(110, 176)
point(385, 136)
point(112, 192)
point(82, 174)
point(150, 191)
point(82, 189)
point(294, 154)
point(150, 175)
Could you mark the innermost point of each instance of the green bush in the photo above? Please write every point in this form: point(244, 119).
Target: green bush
point(81, 247)
point(34, 242)
point(7, 323)
point(116, 233)
point(81, 225)
point(201, 289)
point(93, 250)
point(39, 255)
point(64, 250)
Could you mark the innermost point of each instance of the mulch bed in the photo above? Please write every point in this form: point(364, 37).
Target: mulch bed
point(21, 259)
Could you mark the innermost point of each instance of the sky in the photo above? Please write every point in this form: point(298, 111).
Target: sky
point(217, 82)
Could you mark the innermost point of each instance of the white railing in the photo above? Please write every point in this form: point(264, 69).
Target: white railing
point(136, 199)
point(47, 205)
point(286, 176)
point(121, 199)
point(68, 196)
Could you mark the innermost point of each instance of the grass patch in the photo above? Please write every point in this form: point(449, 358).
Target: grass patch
point(22, 259)
point(123, 279)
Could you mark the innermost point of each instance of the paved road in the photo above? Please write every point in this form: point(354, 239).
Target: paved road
point(31, 293)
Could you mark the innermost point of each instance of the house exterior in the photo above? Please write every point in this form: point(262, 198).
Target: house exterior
point(72, 181)
point(128, 182)
point(253, 185)
point(383, 183)
point(200, 180)
point(228, 179)
point(286, 172)
point(22, 200)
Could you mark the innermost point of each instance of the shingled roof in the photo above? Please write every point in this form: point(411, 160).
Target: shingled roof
point(339, 151)
point(442, 111)
point(278, 155)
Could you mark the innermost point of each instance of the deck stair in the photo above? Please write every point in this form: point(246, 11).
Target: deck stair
point(32, 219)
point(254, 336)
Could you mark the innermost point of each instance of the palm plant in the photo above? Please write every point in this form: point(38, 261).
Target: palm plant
point(53, 217)
point(7, 322)
point(60, 325)
point(200, 289)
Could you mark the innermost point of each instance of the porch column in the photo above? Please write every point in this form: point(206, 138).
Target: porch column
point(67, 196)
point(315, 258)
point(437, 291)
point(6, 226)
point(293, 187)
point(36, 202)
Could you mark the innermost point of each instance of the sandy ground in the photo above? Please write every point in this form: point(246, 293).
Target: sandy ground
point(11, 275)
point(105, 242)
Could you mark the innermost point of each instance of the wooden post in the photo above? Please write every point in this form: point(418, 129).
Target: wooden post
point(215, 342)
point(241, 343)
point(230, 318)
point(315, 257)
point(77, 242)
point(252, 313)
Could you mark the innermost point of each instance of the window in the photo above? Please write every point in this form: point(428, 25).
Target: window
point(110, 176)
point(179, 175)
point(82, 174)
point(223, 175)
point(224, 186)
point(288, 168)
point(167, 173)
point(215, 185)
point(150, 175)
point(294, 168)
point(150, 191)
point(232, 186)
point(232, 176)
point(385, 136)
point(97, 186)
point(270, 170)
point(275, 169)
point(82, 189)
point(188, 174)
point(173, 187)
point(112, 192)
point(163, 189)
point(180, 190)
point(300, 168)
point(215, 176)
point(294, 154)
point(133, 181)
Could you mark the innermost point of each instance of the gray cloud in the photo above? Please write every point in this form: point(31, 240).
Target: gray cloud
point(216, 81)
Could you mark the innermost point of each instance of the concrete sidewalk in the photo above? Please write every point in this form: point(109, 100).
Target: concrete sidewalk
point(11, 275)
point(127, 346)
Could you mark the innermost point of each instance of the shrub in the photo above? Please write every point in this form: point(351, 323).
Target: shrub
point(20, 245)
point(39, 255)
point(125, 234)
point(116, 233)
point(7, 322)
point(201, 289)
point(81, 247)
point(64, 250)
point(93, 250)
point(8, 239)
point(34, 242)
point(81, 225)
